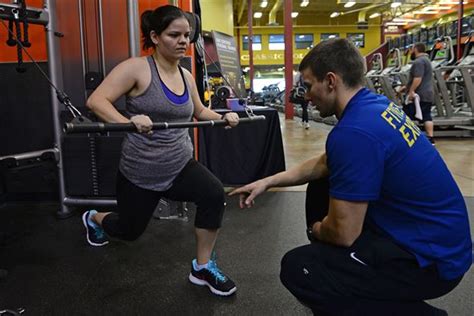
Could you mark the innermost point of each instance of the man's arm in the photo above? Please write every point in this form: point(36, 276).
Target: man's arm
point(414, 85)
point(314, 168)
point(343, 224)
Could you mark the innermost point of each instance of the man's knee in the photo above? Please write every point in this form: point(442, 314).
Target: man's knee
point(292, 268)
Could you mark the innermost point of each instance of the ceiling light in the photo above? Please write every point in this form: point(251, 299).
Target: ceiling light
point(436, 7)
point(349, 4)
point(425, 12)
point(405, 20)
point(294, 14)
point(396, 4)
point(263, 4)
point(396, 23)
point(257, 15)
point(335, 14)
point(375, 15)
point(304, 3)
point(452, 2)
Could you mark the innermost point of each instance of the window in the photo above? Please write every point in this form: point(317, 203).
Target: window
point(416, 37)
point(403, 41)
point(357, 38)
point(276, 42)
point(256, 42)
point(432, 34)
point(304, 41)
point(326, 36)
point(396, 43)
point(423, 35)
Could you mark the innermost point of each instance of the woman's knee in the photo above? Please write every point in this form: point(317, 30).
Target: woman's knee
point(127, 230)
point(214, 197)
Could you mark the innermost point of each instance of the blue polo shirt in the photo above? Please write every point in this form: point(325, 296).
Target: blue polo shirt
point(377, 154)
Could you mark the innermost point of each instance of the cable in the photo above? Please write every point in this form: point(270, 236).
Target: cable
point(62, 97)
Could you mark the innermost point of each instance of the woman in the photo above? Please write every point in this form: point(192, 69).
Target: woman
point(157, 164)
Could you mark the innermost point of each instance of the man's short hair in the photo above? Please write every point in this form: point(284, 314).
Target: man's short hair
point(420, 47)
point(339, 56)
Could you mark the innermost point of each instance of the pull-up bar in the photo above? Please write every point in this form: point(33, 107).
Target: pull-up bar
point(70, 128)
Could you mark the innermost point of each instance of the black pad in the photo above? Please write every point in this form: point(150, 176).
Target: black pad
point(195, 23)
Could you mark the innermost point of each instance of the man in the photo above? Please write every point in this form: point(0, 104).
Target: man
point(297, 97)
point(388, 224)
point(420, 82)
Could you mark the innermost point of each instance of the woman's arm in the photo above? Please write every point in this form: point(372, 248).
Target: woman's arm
point(121, 80)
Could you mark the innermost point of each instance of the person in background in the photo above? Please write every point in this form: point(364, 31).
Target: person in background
point(420, 82)
point(297, 97)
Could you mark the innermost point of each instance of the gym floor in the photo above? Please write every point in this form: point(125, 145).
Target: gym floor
point(52, 271)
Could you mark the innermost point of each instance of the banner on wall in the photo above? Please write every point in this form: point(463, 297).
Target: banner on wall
point(229, 62)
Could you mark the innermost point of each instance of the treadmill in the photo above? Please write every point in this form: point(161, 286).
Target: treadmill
point(446, 72)
point(371, 77)
point(386, 77)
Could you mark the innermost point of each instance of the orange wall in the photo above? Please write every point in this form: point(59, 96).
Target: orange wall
point(38, 38)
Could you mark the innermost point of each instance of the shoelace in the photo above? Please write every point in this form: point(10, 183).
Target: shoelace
point(212, 267)
point(99, 233)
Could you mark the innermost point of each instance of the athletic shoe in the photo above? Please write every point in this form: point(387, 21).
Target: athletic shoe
point(432, 141)
point(306, 126)
point(213, 278)
point(94, 233)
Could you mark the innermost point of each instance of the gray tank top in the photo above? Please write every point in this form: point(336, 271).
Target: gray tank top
point(153, 161)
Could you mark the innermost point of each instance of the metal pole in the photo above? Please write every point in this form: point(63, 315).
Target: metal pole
point(133, 28)
point(84, 56)
point(101, 38)
point(250, 36)
point(55, 73)
point(458, 42)
point(32, 154)
point(288, 58)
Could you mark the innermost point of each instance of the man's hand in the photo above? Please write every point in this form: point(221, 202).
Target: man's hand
point(411, 96)
point(249, 192)
point(232, 118)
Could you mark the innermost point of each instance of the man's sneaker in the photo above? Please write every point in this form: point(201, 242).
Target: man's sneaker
point(213, 278)
point(94, 233)
point(306, 125)
point(432, 141)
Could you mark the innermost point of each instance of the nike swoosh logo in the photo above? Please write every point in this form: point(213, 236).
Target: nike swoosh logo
point(357, 259)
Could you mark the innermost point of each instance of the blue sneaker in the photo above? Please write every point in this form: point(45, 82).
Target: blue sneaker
point(94, 233)
point(213, 278)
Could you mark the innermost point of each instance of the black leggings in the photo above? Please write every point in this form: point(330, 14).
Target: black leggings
point(136, 205)
point(372, 277)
